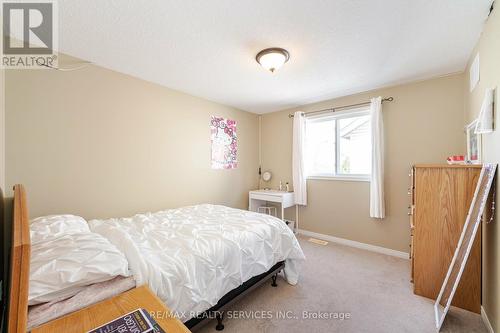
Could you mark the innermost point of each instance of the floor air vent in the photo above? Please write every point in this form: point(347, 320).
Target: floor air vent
point(317, 241)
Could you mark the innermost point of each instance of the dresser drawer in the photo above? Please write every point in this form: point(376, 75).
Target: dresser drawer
point(266, 197)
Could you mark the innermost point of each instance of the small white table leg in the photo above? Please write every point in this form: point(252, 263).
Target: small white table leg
point(296, 219)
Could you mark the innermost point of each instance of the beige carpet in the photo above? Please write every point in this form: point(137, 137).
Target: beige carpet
point(374, 289)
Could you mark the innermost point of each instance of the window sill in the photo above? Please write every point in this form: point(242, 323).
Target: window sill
point(341, 178)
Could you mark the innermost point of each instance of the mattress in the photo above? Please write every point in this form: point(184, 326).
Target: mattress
point(192, 256)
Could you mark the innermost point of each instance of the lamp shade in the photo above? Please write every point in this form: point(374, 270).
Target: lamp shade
point(272, 58)
point(485, 119)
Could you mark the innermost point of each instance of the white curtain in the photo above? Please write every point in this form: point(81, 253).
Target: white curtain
point(298, 165)
point(377, 204)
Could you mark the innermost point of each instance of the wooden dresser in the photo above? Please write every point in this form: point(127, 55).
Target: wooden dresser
point(440, 196)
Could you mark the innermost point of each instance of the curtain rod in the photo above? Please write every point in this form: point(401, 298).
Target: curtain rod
point(388, 99)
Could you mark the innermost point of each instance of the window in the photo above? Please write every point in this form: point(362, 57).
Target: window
point(338, 145)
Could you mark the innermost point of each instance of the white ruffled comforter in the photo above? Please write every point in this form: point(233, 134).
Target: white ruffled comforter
point(192, 256)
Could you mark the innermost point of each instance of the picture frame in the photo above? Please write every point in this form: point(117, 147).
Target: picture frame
point(474, 153)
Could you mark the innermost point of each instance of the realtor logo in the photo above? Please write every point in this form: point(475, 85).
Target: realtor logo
point(29, 34)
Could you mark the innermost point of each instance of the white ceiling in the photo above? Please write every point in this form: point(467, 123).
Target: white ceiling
point(337, 47)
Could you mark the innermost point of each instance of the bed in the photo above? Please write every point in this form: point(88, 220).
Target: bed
point(192, 257)
point(197, 259)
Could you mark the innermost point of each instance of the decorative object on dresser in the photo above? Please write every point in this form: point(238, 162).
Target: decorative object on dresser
point(440, 197)
point(456, 159)
point(473, 143)
point(266, 176)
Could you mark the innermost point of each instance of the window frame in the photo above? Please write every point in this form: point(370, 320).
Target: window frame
point(347, 113)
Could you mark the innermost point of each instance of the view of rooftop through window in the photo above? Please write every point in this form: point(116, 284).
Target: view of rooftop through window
point(338, 146)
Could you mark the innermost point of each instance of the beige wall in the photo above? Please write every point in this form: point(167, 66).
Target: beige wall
point(489, 54)
point(99, 143)
point(424, 124)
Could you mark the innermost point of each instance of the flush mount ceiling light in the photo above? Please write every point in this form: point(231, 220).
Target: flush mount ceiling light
point(272, 58)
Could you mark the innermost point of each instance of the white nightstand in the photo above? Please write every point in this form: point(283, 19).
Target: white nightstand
point(259, 198)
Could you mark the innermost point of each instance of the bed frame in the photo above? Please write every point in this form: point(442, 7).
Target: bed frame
point(217, 311)
point(17, 307)
point(20, 250)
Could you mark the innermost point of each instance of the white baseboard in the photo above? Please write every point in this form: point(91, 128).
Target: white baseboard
point(355, 244)
point(486, 321)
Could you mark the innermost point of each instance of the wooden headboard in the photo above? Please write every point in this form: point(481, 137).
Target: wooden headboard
point(17, 310)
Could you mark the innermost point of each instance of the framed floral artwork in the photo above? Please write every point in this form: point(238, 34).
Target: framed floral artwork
point(473, 144)
point(224, 143)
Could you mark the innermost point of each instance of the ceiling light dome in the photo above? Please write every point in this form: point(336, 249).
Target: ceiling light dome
point(272, 58)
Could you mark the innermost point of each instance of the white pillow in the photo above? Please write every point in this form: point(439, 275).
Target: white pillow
point(61, 267)
point(52, 226)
